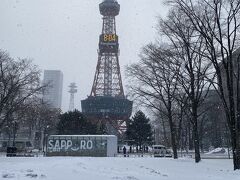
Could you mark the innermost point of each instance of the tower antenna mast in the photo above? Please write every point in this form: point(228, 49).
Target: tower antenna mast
point(72, 91)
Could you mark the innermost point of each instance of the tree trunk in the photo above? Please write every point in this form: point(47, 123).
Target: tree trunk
point(236, 150)
point(236, 155)
point(165, 134)
point(179, 136)
point(196, 144)
point(236, 159)
point(196, 135)
point(173, 137)
point(201, 129)
point(190, 137)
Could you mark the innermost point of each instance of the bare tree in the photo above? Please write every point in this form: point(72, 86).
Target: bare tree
point(19, 80)
point(161, 125)
point(217, 21)
point(34, 120)
point(187, 44)
point(155, 80)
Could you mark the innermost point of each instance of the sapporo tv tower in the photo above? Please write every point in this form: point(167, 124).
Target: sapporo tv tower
point(107, 105)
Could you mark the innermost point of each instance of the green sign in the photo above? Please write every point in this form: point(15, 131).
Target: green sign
point(76, 146)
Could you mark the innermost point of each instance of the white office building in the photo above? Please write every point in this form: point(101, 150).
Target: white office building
point(53, 93)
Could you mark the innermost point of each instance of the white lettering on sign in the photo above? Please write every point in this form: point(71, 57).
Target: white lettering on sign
point(57, 146)
point(89, 144)
point(63, 144)
point(69, 144)
point(50, 144)
point(83, 144)
point(75, 148)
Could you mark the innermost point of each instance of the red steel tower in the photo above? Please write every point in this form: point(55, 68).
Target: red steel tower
point(107, 103)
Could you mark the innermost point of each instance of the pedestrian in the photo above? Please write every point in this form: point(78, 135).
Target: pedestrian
point(124, 151)
point(147, 149)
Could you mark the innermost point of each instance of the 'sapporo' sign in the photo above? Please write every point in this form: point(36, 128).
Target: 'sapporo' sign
point(69, 145)
point(82, 145)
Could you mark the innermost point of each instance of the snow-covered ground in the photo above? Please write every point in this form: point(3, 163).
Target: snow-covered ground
point(218, 151)
point(86, 168)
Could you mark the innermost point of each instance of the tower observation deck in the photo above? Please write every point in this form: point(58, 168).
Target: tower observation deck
point(107, 104)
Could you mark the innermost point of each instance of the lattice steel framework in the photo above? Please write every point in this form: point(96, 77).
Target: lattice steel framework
point(107, 104)
point(108, 81)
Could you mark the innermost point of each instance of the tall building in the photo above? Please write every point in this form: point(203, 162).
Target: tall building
point(53, 93)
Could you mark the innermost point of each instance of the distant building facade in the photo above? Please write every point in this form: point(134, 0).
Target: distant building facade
point(236, 80)
point(212, 122)
point(53, 93)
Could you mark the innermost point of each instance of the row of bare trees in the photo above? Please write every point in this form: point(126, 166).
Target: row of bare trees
point(21, 105)
point(197, 49)
point(19, 80)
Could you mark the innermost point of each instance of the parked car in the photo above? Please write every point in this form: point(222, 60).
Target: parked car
point(161, 151)
point(22, 145)
point(169, 153)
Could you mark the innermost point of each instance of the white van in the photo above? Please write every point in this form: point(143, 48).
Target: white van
point(161, 151)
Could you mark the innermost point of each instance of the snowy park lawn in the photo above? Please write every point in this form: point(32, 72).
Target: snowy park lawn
point(71, 168)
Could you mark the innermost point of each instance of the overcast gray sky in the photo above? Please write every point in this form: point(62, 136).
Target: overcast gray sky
point(63, 34)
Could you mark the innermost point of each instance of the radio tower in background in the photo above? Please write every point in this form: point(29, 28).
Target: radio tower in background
point(72, 91)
